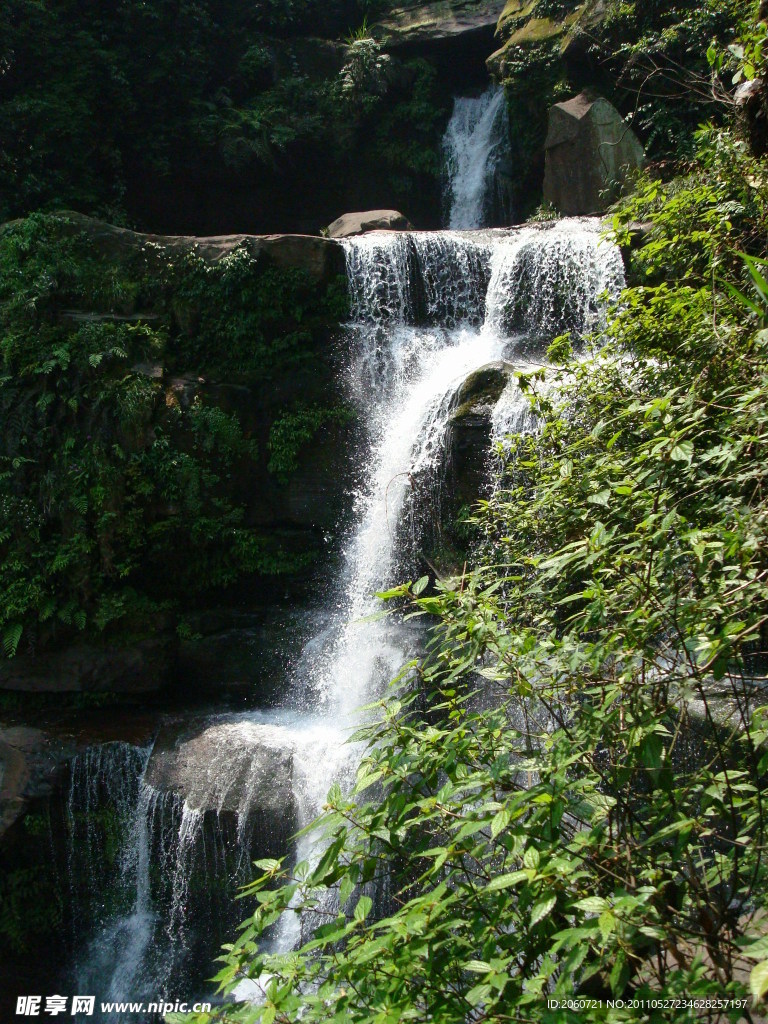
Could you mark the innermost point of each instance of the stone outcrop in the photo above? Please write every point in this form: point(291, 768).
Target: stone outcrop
point(524, 24)
point(751, 101)
point(140, 668)
point(29, 764)
point(320, 258)
point(417, 24)
point(35, 759)
point(541, 46)
point(590, 151)
point(238, 768)
point(463, 475)
point(350, 224)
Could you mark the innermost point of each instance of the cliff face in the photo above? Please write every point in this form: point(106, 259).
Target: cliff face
point(437, 23)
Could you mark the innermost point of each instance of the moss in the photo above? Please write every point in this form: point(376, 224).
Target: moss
point(246, 321)
point(481, 389)
point(535, 31)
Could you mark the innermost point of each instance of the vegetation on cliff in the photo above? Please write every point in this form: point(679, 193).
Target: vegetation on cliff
point(564, 797)
point(118, 488)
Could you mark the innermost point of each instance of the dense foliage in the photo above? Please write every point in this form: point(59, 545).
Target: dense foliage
point(135, 112)
point(118, 490)
point(564, 796)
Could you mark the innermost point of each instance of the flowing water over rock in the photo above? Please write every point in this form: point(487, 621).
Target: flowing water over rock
point(474, 144)
point(427, 311)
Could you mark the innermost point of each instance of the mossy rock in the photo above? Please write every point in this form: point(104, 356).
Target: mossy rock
point(537, 30)
point(514, 14)
point(530, 23)
point(480, 391)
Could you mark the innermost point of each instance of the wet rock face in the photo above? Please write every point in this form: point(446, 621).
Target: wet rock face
point(470, 432)
point(440, 502)
point(242, 768)
point(751, 100)
point(590, 151)
point(143, 667)
point(30, 766)
point(351, 224)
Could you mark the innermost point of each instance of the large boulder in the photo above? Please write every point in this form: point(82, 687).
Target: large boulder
point(239, 768)
point(462, 476)
point(470, 428)
point(350, 224)
point(590, 152)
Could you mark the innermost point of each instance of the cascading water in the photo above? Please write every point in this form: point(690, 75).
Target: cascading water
point(414, 340)
point(427, 310)
point(474, 145)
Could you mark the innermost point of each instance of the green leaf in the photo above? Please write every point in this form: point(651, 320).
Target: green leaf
point(682, 452)
point(607, 924)
point(500, 821)
point(420, 585)
point(593, 905)
point(531, 858)
point(363, 908)
point(506, 881)
point(758, 981)
point(11, 637)
point(478, 967)
point(543, 909)
point(602, 498)
point(268, 865)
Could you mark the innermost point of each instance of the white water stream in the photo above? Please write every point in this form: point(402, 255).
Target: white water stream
point(427, 310)
point(474, 144)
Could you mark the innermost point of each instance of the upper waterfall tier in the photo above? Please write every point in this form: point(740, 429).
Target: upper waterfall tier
point(540, 280)
point(473, 144)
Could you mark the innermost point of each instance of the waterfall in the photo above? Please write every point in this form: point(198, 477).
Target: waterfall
point(550, 281)
point(474, 145)
point(99, 815)
point(427, 309)
point(169, 897)
point(414, 341)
